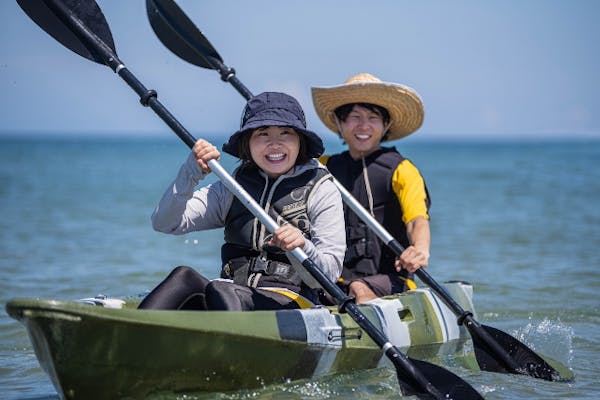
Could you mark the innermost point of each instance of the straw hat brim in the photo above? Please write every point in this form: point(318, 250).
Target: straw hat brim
point(403, 104)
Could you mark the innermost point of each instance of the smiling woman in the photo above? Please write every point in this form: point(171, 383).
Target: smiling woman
point(273, 172)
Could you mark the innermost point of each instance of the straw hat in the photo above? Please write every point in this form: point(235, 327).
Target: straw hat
point(403, 103)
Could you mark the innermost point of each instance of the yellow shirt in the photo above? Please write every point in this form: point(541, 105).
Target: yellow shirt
point(409, 187)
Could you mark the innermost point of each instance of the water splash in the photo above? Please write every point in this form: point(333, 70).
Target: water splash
point(552, 338)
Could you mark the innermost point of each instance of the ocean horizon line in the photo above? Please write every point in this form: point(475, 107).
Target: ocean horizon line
point(327, 137)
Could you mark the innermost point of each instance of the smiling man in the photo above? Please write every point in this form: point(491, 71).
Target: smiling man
point(365, 112)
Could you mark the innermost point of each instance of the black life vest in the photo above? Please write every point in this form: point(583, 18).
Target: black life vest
point(245, 259)
point(366, 254)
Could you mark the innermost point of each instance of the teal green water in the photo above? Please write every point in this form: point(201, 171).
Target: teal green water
point(519, 220)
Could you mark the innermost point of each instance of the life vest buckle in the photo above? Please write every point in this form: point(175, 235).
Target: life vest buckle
point(259, 264)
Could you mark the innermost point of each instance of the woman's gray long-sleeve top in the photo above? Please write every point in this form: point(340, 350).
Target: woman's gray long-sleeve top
point(183, 209)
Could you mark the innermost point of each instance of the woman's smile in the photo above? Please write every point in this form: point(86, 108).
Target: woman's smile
point(274, 149)
point(275, 157)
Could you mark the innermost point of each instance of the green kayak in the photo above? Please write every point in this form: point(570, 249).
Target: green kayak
point(107, 348)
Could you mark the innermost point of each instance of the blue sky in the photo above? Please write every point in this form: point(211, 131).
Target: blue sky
point(517, 68)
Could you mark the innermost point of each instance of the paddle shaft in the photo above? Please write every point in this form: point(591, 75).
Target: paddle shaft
point(178, 33)
point(465, 317)
point(149, 98)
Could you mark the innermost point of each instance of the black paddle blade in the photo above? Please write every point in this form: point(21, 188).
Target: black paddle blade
point(43, 13)
point(528, 362)
point(445, 382)
point(179, 34)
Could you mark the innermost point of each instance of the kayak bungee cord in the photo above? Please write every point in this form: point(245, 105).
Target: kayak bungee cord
point(495, 350)
point(81, 27)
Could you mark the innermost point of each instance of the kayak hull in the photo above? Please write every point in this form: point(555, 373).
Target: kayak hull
point(93, 351)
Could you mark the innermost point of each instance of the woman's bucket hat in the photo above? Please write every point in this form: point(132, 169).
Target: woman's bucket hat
point(274, 109)
point(403, 103)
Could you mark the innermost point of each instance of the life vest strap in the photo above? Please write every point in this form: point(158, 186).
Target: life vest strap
point(409, 283)
point(302, 301)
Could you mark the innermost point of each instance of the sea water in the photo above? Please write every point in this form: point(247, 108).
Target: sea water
point(520, 220)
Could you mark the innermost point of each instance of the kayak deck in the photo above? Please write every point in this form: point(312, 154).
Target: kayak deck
point(93, 351)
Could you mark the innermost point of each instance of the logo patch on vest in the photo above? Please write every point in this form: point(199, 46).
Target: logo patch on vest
point(296, 215)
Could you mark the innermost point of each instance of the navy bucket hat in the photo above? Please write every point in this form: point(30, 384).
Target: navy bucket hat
point(274, 109)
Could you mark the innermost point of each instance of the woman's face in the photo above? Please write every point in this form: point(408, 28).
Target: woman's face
point(274, 149)
point(362, 131)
